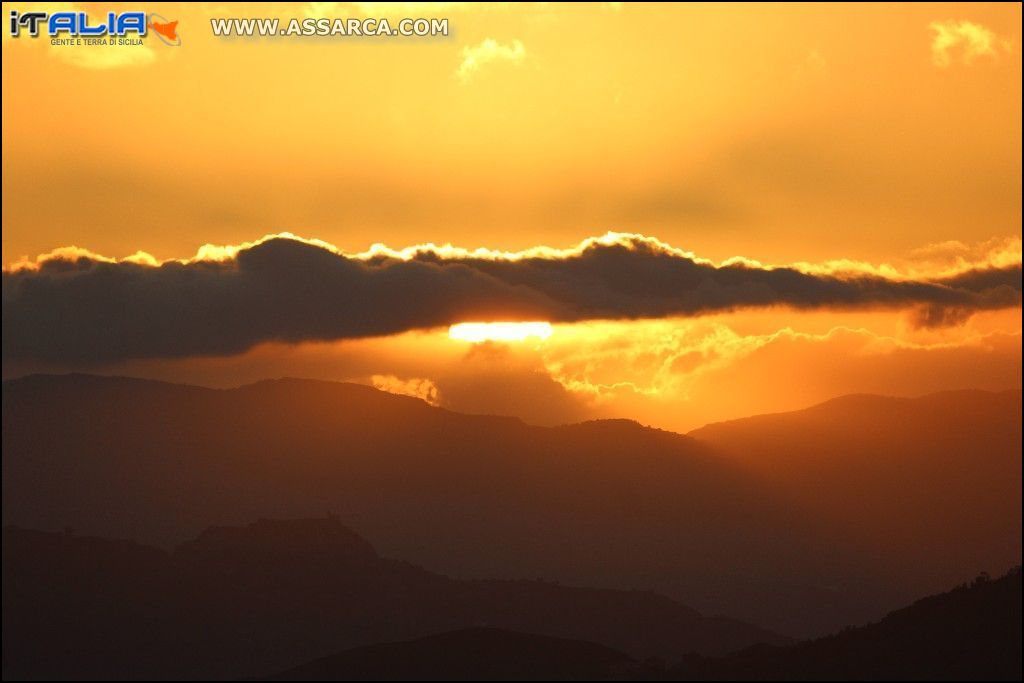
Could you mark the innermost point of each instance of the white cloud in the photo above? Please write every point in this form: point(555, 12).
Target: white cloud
point(813, 65)
point(390, 10)
point(964, 41)
point(476, 57)
point(417, 387)
point(320, 10)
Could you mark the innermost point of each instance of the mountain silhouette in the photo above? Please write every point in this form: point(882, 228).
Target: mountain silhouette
point(928, 486)
point(970, 633)
point(243, 601)
point(607, 503)
point(469, 655)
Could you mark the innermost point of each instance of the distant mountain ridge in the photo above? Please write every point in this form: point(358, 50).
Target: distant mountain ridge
point(476, 654)
point(848, 401)
point(969, 633)
point(972, 632)
point(700, 517)
point(242, 601)
point(934, 477)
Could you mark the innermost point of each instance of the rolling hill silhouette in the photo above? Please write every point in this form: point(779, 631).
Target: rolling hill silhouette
point(970, 633)
point(608, 503)
point(930, 486)
point(242, 601)
point(469, 655)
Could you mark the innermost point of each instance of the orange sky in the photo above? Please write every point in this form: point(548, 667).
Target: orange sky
point(886, 134)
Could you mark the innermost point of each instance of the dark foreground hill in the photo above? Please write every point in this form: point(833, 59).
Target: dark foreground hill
point(798, 547)
point(970, 633)
point(242, 601)
point(470, 655)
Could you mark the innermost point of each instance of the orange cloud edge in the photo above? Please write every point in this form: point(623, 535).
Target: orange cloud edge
point(932, 261)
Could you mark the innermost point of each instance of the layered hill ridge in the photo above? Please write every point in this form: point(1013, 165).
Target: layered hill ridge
point(276, 593)
point(309, 545)
point(970, 633)
point(242, 601)
point(726, 525)
point(934, 478)
point(476, 654)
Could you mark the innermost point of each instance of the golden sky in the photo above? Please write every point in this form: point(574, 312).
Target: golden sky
point(777, 132)
point(784, 133)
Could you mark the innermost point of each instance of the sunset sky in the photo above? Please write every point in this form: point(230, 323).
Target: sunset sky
point(845, 142)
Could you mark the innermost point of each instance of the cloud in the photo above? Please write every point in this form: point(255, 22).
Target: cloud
point(668, 359)
point(964, 39)
point(507, 379)
point(813, 65)
point(417, 387)
point(676, 373)
point(388, 10)
point(476, 57)
point(683, 373)
point(955, 256)
point(72, 306)
point(321, 10)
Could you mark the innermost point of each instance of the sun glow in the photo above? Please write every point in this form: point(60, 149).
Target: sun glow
point(503, 331)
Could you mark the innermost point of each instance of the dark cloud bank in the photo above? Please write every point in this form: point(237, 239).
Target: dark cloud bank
point(87, 311)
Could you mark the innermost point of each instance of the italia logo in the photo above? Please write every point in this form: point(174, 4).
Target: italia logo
point(79, 24)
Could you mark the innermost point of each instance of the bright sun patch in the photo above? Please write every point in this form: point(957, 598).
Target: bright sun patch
point(504, 331)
